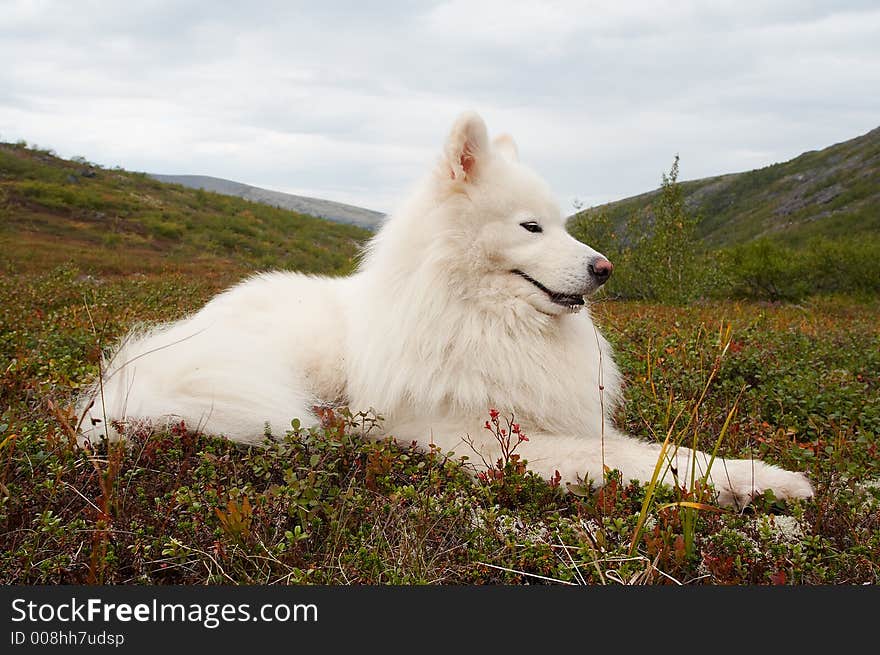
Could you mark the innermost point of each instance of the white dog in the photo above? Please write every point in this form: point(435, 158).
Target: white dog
point(469, 297)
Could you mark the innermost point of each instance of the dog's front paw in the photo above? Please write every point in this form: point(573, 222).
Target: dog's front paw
point(739, 481)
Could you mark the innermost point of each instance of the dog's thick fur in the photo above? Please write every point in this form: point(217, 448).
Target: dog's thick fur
point(450, 313)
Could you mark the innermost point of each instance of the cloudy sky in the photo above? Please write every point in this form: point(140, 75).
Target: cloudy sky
point(351, 101)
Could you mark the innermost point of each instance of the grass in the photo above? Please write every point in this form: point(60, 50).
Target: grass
point(796, 385)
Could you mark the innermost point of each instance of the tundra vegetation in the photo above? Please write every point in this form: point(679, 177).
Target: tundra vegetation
point(714, 355)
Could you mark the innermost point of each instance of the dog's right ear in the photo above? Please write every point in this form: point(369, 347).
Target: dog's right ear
point(467, 147)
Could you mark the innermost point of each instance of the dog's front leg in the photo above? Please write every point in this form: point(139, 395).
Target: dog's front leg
point(737, 481)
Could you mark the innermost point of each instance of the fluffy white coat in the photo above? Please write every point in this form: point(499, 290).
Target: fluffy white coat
point(451, 312)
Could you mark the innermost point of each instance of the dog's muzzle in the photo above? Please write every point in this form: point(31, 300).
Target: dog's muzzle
point(572, 301)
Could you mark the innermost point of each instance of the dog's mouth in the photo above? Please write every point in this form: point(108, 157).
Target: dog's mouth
point(572, 301)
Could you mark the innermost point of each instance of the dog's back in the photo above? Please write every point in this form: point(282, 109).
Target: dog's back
point(253, 356)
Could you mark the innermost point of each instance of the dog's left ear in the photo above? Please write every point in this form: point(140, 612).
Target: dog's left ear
point(505, 146)
point(467, 147)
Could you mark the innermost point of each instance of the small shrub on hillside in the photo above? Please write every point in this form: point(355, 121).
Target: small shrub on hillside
point(657, 255)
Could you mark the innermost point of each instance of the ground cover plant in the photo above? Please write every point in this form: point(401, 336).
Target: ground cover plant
point(793, 384)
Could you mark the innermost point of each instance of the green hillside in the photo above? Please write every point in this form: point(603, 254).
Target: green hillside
point(832, 192)
point(113, 221)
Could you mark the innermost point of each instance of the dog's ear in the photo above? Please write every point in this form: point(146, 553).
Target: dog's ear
point(467, 147)
point(505, 146)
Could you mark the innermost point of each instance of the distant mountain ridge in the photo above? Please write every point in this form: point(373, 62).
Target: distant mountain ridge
point(328, 209)
point(830, 192)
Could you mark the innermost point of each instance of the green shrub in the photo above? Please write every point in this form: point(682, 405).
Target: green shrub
point(167, 230)
point(767, 269)
point(657, 257)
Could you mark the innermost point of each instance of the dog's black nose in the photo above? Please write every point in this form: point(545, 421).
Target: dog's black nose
point(600, 269)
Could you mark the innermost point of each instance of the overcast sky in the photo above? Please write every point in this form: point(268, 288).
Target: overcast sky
point(351, 101)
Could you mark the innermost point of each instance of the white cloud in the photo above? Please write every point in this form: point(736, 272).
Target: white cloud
point(351, 102)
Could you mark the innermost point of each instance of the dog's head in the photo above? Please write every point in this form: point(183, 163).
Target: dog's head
point(517, 241)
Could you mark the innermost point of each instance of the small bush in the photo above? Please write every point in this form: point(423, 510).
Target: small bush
point(167, 230)
point(769, 270)
point(656, 256)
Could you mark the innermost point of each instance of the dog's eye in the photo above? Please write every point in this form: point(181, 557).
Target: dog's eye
point(532, 226)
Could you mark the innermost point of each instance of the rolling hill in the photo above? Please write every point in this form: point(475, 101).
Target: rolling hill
point(831, 192)
point(114, 221)
point(333, 211)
